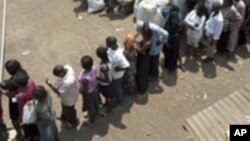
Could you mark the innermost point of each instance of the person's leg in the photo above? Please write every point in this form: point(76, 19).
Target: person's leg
point(118, 90)
point(242, 38)
point(3, 132)
point(72, 115)
point(233, 39)
point(17, 127)
point(63, 114)
point(154, 66)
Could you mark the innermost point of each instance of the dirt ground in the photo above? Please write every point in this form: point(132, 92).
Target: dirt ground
point(43, 33)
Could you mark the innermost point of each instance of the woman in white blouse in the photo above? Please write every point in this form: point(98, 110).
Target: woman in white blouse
point(195, 21)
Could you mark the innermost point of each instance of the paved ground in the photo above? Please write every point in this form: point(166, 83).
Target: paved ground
point(43, 33)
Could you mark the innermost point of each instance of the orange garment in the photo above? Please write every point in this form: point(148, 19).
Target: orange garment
point(129, 42)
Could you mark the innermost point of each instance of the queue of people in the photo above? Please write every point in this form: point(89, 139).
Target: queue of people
point(122, 70)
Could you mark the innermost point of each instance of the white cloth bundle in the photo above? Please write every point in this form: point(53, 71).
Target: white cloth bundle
point(95, 5)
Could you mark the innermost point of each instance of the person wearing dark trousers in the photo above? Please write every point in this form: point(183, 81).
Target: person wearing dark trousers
point(158, 37)
point(119, 65)
point(67, 90)
point(3, 129)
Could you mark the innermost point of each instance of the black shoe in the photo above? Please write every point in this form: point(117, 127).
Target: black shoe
point(208, 59)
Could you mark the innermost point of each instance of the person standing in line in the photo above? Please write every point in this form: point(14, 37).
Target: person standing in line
point(247, 19)
point(3, 128)
point(195, 21)
point(10, 90)
point(213, 30)
point(158, 37)
point(241, 7)
point(143, 65)
point(119, 65)
point(232, 23)
point(171, 50)
point(129, 83)
point(105, 77)
point(45, 115)
point(88, 88)
point(66, 89)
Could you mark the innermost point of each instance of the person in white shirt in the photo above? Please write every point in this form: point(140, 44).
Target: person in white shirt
point(213, 30)
point(195, 21)
point(119, 65)
point(67, 90)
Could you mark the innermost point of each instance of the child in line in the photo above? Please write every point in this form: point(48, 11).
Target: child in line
point(129, 82)
point(104, 78)
point(88, 88)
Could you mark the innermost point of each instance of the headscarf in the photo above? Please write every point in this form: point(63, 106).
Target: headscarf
point(129, 42)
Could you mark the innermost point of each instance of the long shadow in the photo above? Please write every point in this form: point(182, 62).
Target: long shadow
point(101, 127)
point(155, 87)
point(169, 78)
point(80, 9)
point(223, 61)
point(243, 52)
point(191, 65)
point(209, 70)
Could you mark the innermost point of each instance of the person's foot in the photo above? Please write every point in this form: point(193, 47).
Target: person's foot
point(153, 78)
point(141, 96)
point(229, 55)
point(19, 137)
point(182, 68)
point(208, 59)
point(88, 123)
point(69, 126)
point(102, 114)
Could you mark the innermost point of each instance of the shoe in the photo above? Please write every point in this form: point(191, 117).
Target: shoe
point(69, 126)
point(102, 114)
point(141, 96)
point(152, 79)
point(208, 59)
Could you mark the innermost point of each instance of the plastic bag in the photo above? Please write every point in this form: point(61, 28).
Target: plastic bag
point(29, 115)
point(95, 5)
point(159, 19)
point(209, 3)
point(123, 1)
point(145, 10)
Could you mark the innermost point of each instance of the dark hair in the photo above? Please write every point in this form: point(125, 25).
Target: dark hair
point(111, 41)
point(146, 31)
point(201, 9)
point(87, 62)
point(58, 70)
point(21, 78)
point(12, 66)
point(145, 27)
point(174, 8)
point(101, 52)
point(39, 93)
point(11, 85)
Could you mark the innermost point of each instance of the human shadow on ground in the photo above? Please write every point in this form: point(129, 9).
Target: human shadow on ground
point(243, 52)
point(209, 70)
point(191, 64)
point(155, 87)
point(169, 78)
point(80, 9)
point(101, 127)
point(223, 61)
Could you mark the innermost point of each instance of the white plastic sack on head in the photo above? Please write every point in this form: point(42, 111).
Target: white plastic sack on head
point(209, 3)
point(145, 10)
point(95, 5)
point(123, 1)
point(161, 3)
point(159, 19)
point(29, 115)
point(181, 4)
